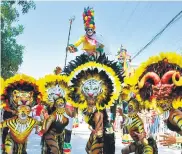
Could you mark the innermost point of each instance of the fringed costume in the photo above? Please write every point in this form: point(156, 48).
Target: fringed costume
point(91, 44)
point(94, 86)
point(158, 85)
point(20, 94)
point(55, 96)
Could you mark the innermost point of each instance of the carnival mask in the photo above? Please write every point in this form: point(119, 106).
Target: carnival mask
point(55, 92)
point(91, 88)
point(22, 97)
point(23, 112)
point(161, 87)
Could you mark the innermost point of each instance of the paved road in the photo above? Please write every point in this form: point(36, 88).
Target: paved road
point(79, 140)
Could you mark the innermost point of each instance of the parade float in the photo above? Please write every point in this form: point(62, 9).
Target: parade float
point(55, 97)
point(20, 94)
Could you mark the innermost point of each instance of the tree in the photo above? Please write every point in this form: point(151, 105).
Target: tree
point(11, 51)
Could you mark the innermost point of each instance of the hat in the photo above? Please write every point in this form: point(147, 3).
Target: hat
point(88, 18)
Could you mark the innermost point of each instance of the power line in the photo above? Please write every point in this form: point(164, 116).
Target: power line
point(130, 16)
point(147, 7)
point(177, 17)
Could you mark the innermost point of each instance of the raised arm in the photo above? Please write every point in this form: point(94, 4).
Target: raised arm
point(79, 41)
point(73, 47)
point(47, 123)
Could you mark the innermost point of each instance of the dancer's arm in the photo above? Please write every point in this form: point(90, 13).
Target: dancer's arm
point(47, 123)
point(169, 139)
point(98, 118)
point(76, 44)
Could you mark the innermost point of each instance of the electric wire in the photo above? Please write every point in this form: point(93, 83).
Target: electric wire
point(176, 18)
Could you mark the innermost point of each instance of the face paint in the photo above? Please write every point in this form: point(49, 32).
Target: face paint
point(23, 112)
point(60, 103)
point(89, 31)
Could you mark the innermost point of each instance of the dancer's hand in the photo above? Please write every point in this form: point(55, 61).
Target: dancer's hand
point(71, 49)
point(168, 139)
point(93, 131)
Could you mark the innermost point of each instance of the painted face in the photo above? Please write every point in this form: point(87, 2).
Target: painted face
point(55, 92)
point(92, 88)
point(60, 103)
point(131, 107)
point(89, 31)
point(165, 105)
point(23, 112)
point(22, 97)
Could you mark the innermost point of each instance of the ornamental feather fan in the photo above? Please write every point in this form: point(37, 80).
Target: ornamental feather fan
point(22, 89)
point(93, 78)
point(158, 80)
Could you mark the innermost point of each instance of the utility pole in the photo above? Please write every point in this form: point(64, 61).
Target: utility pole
point(71, 21)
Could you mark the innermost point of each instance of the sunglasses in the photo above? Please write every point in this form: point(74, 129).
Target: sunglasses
point(89, 29)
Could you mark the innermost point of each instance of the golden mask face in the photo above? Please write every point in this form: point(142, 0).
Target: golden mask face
point(22, 97)
point(23, 111)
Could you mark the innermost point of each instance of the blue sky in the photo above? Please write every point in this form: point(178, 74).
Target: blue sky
point(132, 24)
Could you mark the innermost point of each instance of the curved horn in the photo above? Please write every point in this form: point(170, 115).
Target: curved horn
point(167, 76)
point(179, 81)
point(149, 75)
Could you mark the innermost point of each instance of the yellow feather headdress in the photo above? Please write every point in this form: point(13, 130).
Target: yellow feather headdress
point(172, 60)
point(50, 81)
point(20, 82)
point(111, 86)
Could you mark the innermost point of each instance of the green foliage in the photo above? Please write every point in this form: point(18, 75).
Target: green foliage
point(11, 51)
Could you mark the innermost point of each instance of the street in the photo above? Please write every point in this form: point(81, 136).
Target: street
point(79, 139)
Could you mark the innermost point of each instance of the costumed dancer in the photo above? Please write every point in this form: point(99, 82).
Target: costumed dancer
point(124, 60)
point(136, 129)
point(20, 94)
point(91, 45)
point(159, 85)
point(95, 85)
point(55, 96)
point(68, 129)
